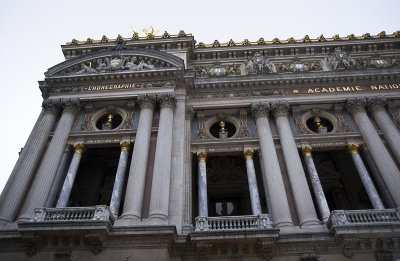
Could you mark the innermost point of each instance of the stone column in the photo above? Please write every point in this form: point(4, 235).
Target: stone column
point(17, 185)
point(316, 184)
point(41, 185)
point(202, 173)
point(389, 171)
point(365, 179)
point(159, 198)
point(265, 186)
point(119, 178)
point(58, 179)
point(376, 106)
point(251, 177)
point(137, 172)
point(187, 211)
point(71, 174)
point(276, 189)
point(297, 178)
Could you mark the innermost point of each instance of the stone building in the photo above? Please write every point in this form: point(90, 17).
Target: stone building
point(158, 148)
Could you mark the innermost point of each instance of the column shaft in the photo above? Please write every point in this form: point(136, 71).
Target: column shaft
point(202, 180)
point(119, 178)
point(58, 179)
point(265, 186)
point(316, 184)
point(276, 189)
point(365, 179)
point(44, 177)
point(187, 211)
point(159, 199)
point(137, 172)
point(297, 178)
point(71, 174)
point(383, 160)
point(386, 124)
point(253, 188)
point(16, 188)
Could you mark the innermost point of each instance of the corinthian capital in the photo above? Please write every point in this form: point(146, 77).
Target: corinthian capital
point(280, 108)
point(376, 103)
point(167, 100)
point(71, 104)
point(146, 101)
point(50, 105)
point(260, 109)
point(356, 104)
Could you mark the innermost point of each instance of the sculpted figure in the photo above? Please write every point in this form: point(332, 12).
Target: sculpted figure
point(101, 65)
point(259, 64)
point(86, 69)
point(340, 59)
point(131, 64)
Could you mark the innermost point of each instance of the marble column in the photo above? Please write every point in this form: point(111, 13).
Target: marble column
point(388, 169)
point(62, 202)
point(119, 178)
point(137, 173)
point(159, 198)
point(59, 177)
point(276, 189)
point(385, 123)
point(202, 189)
point(297, 178)
point(316, 184)
point(265, 186)
point(41, 185)
point(16, 188)
point(251, 177)
point(365, 178)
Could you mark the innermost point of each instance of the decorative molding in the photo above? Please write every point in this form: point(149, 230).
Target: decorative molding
point(260, 109)
point(147, 101)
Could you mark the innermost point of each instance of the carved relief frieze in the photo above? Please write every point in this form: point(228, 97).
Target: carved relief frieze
point(376, 61)
point(296, 65)
point(217, 70)
point(259, 64)
point(233, 94)
point(338, 59)
point(121, 63)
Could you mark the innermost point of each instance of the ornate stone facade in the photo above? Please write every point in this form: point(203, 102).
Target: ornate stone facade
point(265, 150)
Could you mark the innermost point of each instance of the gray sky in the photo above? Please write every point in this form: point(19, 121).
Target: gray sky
point(31, 33)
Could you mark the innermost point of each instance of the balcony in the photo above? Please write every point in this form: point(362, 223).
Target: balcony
point(364, 221)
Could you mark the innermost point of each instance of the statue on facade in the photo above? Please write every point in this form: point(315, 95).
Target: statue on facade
point(339, 59)
point(259, 64)
point(86, 69)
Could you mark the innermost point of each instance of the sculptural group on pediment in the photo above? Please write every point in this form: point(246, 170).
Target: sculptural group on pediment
point(259, 64)
point(116, 63)
point(338, 59)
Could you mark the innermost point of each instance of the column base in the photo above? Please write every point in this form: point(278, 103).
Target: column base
point(283, 224)
point(130, 216)
point(157, 219)
point(310, 223)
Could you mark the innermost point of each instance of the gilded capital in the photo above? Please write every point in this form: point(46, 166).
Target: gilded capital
point(248, 154)
point(306, 151)
point(79, 148)
point(352, 148)
point(125, 145)
point(280, 108)
point(260, 109)
point(167, 100)
point(202, 156)
point(146, 101)
point(356, 104)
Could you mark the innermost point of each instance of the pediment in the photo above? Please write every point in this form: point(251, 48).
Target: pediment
point(117, 61)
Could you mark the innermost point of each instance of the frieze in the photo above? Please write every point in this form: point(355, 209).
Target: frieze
point(233, 93)
point(345, 89)
point(327, 144)
point(218, 70)
point(238, 148)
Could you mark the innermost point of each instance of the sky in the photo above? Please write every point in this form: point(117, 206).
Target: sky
point(31, 33)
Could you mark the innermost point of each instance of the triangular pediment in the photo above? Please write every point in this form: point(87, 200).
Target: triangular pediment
point(117, 61)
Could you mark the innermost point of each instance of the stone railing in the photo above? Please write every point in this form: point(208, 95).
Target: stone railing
point(233, 223)
point(364, 217)
point(75, 214)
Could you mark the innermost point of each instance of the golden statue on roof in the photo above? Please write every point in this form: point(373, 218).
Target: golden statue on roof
point(148, 32)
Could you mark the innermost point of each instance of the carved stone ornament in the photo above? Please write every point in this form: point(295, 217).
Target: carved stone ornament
point(356, 104)
point(50, 105)
point(189, 112)
point(217, 70)
point(280, 108)
point(260, 109)
point(146, 101)
point(71, 104)
point(128, 122)
point(311, 257)
point(260, 64)
point(376, 103)
point(299, 66)
point(338, 59)
point(243, 128)
point(121, 63)
point(167, 100)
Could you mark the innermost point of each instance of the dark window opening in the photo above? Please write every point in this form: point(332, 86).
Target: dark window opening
point(229, 128)
point(109, 121)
